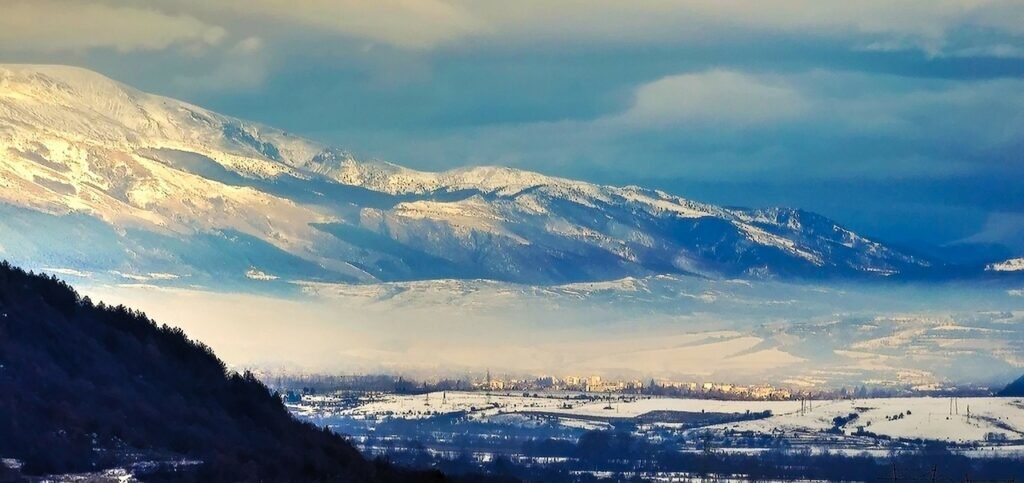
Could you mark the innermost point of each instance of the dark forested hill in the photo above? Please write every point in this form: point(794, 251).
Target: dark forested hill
point(85, 387)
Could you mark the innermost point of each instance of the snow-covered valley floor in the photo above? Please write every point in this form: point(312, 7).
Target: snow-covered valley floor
point(981, 426)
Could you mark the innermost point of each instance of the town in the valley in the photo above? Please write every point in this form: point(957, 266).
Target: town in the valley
point(538, 420)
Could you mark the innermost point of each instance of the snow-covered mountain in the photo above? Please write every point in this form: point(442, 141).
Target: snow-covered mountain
point(97, 176)
point(1011, 265)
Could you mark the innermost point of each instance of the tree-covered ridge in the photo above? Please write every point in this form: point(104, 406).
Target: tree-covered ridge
point(86, 386)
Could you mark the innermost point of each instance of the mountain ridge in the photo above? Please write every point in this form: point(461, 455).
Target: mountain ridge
point(73, 142)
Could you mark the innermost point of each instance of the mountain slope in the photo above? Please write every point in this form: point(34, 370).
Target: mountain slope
point(1013, 389)
point(77, 147)
point(85, 387)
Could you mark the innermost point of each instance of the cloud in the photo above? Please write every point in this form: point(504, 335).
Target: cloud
point(998, 51)
point(248, 45)
point(838, 124)
point(936, 27)
point(407, 24)
point(733, 125)
point(955, 28)
point(716, 96)
point(242, 66)
point(932, 26)
point(70, 25)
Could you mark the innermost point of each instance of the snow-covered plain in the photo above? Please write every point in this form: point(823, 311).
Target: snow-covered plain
point(958, 420)
point(977, 420)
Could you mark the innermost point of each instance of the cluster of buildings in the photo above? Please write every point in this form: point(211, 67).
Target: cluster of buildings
point(756, 391)
point(548, 383)
point(599, 384)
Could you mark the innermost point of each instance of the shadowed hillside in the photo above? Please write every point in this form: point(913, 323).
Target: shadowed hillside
point(1013, 389)
point(85, 387)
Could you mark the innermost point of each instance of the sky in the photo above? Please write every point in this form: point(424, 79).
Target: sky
point(903, 120)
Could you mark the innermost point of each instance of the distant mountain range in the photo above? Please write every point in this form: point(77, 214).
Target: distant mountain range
point(97, 177)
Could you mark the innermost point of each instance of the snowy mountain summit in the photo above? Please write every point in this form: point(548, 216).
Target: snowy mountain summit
point(151, 187)
point(1011, 265)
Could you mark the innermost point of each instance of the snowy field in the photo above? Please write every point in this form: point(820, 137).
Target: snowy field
point(477, 404)
point(973, 420)
point(976, 420)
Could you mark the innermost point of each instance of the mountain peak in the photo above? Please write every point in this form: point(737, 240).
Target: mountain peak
point(63, 77)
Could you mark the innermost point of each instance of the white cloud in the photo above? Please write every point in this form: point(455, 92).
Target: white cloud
point(70, 25)
point(981, 114)
point(248, 45)
point(712, 97)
